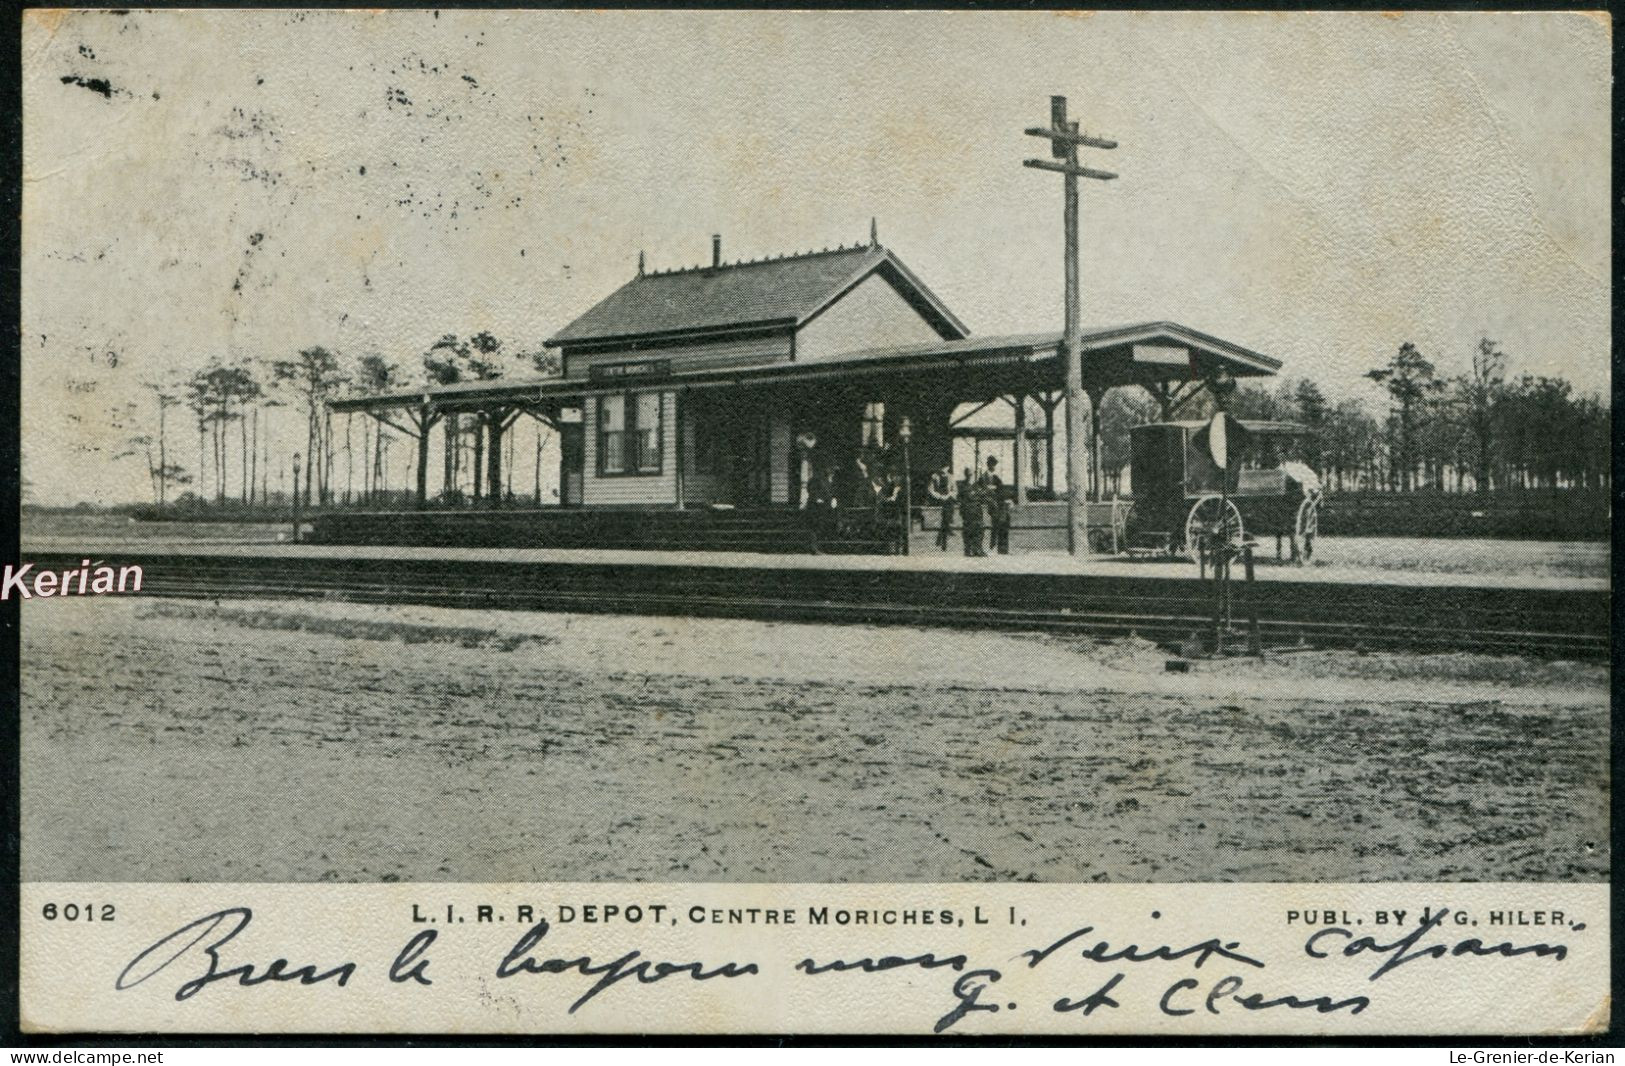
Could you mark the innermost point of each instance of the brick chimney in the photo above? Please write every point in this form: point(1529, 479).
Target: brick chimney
point(716, 249)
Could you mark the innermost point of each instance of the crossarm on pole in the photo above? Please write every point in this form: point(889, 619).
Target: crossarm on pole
point(1069, 137)
point(1063, 168)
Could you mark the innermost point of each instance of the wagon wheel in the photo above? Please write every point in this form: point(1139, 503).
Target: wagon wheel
point(1308, 523)
point(1204, 522)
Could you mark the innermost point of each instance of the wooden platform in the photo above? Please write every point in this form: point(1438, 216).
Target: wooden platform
point(767, 531)
point(1036, 526)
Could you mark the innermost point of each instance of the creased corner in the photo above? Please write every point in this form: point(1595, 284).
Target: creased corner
point(1597, 1020)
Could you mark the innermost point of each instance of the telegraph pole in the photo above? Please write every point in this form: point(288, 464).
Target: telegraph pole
point(1064, 141)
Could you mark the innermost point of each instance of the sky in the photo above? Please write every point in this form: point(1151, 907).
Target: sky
point(1321, 187)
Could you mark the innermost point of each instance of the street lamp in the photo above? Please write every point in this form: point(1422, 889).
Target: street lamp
point(296, 497)
point(905, 433)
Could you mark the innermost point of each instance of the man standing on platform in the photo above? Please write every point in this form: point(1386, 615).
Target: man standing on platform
point(971, 512)
point(825, 508)
point(1000, 507)
point(941, 490)
point(990, 477)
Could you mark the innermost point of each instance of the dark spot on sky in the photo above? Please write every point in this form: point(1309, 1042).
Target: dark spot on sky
point(155, 94)
point(363, 172)
point(469, 78)
point(259, 81)
point(86, 51)
point(95, 85)
point(255, 238)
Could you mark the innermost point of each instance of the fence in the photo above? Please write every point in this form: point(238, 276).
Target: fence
point(1527, 514)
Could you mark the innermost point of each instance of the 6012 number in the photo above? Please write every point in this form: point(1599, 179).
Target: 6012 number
point(76, 912)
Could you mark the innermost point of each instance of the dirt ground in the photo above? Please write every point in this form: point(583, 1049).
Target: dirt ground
point(282, 741)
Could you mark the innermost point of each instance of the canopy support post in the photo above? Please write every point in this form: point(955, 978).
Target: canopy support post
point(1097, 469)
point(1018, 459)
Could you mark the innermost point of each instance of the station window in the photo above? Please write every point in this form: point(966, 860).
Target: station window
point(629, 433)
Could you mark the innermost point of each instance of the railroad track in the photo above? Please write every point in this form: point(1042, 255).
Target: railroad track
point(1545, 624)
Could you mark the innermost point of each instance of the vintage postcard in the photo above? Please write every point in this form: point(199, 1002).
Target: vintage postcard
point(731, 522)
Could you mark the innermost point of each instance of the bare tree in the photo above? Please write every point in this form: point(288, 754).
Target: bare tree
point(1476, 397)
point(243, 391)
point(375, 375)
point(165, 395)
point(313, 375)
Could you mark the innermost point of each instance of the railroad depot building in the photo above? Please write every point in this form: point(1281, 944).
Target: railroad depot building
point(734, 383)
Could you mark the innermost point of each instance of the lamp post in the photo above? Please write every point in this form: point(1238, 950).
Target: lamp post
point(296, 497)
point(905, 434)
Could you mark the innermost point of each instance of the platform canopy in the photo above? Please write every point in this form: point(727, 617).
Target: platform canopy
point(1156, 355)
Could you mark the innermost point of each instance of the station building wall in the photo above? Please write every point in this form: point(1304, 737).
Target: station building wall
point(631, 490)
point(871, 315)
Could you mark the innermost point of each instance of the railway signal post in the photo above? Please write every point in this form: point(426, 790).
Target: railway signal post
point(1065, 139)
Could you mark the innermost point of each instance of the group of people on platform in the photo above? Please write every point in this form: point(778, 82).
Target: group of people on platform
point(982, 503)
point(868, 492)
point(868, 497)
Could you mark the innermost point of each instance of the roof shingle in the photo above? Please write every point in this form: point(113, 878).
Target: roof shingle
point(783, 290)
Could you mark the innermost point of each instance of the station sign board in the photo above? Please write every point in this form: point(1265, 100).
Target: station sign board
point(638, 370)
point(1162, 355)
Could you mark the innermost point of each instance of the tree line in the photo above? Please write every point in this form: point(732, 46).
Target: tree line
point(240, 411)
point(1480, 430)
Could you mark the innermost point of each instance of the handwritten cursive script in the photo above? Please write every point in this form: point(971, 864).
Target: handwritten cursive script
point(632, 964)
point(207, 951)
point(1409, 948)
point(219, 929)
point(1101, 951)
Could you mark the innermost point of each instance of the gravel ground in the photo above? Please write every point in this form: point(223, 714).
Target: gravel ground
point(328, 741)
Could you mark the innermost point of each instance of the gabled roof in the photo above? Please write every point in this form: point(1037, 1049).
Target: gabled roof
point(782, 292)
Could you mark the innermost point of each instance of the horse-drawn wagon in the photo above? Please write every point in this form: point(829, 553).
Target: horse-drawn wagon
point(1183, 500)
